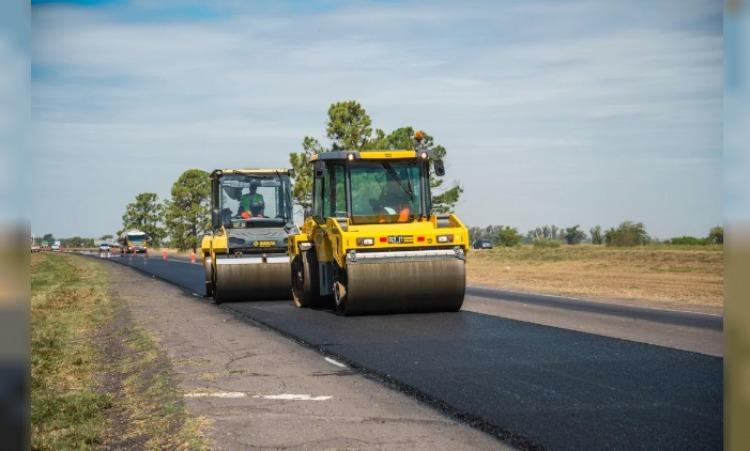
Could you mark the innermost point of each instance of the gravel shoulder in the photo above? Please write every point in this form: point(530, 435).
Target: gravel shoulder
point(253, 388)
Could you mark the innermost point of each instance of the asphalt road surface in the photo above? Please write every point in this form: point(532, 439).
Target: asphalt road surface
point(532, 385)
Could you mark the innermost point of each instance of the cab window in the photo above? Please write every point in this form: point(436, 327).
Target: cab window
point(318, 183)
point(334, 191)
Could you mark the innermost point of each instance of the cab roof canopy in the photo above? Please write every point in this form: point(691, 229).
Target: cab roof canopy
point(251, 171)
point(370, 155)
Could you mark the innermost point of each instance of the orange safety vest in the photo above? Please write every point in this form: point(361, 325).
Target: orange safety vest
point(403, 215)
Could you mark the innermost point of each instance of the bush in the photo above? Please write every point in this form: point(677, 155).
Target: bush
point(689, 241)
point(574, 235)
point(596, 235)
point(508, 236)
point(547, 243)
point(716, 235)
point(627, 234)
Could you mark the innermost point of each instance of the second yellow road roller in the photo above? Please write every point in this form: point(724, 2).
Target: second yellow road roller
point(245, 257)
point(371, 243)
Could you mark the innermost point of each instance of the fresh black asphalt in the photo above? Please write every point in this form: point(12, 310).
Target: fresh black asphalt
point(534, 386)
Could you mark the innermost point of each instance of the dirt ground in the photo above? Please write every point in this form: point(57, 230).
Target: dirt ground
point(252, 388)
point(689, 278)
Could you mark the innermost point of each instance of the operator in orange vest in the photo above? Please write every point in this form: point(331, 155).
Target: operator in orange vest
point(395, 202)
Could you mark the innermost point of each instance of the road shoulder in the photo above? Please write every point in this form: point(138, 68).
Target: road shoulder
point(252, 387)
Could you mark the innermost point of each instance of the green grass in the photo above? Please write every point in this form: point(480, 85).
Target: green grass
point(67, 411)
point(74, 322)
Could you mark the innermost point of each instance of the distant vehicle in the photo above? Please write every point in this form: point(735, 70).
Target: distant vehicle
point(134, 242)
point(56, 246)
point(35, 248)
point(482, 244)
point(104, 247)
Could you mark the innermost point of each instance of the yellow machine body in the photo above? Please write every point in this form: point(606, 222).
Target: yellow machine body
point(414, 265)
point(246, 259)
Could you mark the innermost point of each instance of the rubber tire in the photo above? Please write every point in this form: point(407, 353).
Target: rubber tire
point(305, 289)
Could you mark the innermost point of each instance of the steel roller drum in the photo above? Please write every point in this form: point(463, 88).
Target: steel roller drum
point(248, 278)
point(426, 282)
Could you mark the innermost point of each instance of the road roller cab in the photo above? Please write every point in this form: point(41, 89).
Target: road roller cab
point(371, 243)
point(245, 257)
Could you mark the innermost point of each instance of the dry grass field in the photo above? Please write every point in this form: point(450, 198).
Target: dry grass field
point(684, 277)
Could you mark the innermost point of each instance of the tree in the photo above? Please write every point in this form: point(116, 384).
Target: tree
point(508, 236)
point(474, 233)
point(596, 235)
point(303, 177)
point(716, 235)
point(188, 214)
point(145, 214)
point(106, 237)
point(627, 234)
point(48, 239)
point(77, 242)
point(403, 138)
point(544, 232)
point(555, 232)
point(574, 235)
point(349, 127)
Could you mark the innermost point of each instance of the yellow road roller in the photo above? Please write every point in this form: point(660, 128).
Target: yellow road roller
point(245, 257)
point(371, 243)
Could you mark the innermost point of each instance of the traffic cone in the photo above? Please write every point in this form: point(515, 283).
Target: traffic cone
point(164, 254)
point(192, 257)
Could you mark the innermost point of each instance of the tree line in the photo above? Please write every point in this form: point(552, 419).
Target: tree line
point(184, 217)
point(628, 233)
point(49, 239)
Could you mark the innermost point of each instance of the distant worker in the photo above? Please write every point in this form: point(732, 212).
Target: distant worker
point(252, 204)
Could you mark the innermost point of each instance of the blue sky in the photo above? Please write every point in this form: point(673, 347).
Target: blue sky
point(580, 112)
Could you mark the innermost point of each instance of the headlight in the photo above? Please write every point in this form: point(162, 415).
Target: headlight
point(445, 238)
point(365, 241)
point(305, 246)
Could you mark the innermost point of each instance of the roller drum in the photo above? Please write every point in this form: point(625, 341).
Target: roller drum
point(403, 285)
point(252, 278)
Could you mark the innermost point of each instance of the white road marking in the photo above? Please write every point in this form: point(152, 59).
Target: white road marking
point(221, 394)
point(335, 362)
point(236, 394)
point(294, 397)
